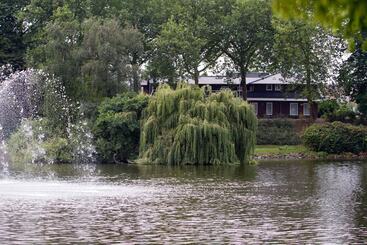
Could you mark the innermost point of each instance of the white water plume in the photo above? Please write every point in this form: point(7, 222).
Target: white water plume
point(38, 122)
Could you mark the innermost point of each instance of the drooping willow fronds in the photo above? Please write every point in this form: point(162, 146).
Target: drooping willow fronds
point(190, 126)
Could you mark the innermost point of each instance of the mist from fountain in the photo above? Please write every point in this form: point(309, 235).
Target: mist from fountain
point(26, 96)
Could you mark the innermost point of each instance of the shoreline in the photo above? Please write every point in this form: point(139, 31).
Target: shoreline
point(310, 156)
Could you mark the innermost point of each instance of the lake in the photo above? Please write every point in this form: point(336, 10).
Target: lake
point(273, 202)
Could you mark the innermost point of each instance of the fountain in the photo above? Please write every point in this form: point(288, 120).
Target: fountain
point(37, 119)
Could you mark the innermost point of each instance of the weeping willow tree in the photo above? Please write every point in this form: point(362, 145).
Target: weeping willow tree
point(191, 125)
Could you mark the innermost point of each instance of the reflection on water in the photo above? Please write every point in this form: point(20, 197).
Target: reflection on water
point(289, 202)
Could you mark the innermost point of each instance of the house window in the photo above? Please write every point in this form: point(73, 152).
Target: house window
point(277, 87)
point(269, 87)
point(255, 107)
point(269, 108)
point(251, 88)
point(293, 109)
point(306, 109)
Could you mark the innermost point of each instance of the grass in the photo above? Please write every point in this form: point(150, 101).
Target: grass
point(279, 149)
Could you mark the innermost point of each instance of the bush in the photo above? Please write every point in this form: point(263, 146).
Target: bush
point(332, 111)
point(117, 127)
point(328, 107)
point(277, 132)
point(33, 142)
point(336, 137)
point(343, 114)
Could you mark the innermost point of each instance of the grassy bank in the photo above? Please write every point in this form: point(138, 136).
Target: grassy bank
point(276, 149)
point(294, 152)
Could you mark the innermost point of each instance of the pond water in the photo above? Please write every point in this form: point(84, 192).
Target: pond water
point(278, 202)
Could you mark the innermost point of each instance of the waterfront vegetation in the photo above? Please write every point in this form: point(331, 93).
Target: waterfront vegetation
point(336, 137)
point(262, 150)
point(190, 125)
point(91, 57)
point(277, 132)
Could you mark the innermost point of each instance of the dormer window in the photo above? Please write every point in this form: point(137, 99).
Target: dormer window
point(269, 87)
point(277, 87)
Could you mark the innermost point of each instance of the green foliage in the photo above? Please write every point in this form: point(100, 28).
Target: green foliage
point(106, 56)
point(117, 128)
point(336, 137)
point(306, 55)
point(332, 110)
point(353, 78)
point(246, 35)
point(12, 43)
point(277, 132)
point(346, 16)
point(343, 114)
point(185, 126)
point(327, 107)
point(58, 149)
point(35, 142)
point(185, 37)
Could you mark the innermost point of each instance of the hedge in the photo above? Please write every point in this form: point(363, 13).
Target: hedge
point(336, 137)
point(277, 132)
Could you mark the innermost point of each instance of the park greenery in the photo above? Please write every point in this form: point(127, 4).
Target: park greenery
point(117, 127)
point(336, 137)
point(345, 16)
point(277, 132)
point(191, 125)
point(98, 52)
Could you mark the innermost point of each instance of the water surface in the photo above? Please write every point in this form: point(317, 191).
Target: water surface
point(278, 202)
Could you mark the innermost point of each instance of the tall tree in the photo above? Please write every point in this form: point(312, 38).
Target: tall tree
point(146, 16)
point(247, 36)
point(353, 78)
point(57, 52)
point(346, 16)
point(185, 37)
point(12, 45)
point(306, 55)
point(107, 51)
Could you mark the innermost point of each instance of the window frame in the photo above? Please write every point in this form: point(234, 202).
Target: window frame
point(255, 105)
point(304, 109)
point(251, 88)
point(290, 109)
point(277, 87)
point(267, 88)
point(266, 108)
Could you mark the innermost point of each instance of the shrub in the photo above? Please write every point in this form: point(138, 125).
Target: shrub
point(343, 114)
point(336, 137)
point(189, 125)
point(328, 107)
point(333, 111)
point(277, 132)
point(33, 142)
point(117, 127)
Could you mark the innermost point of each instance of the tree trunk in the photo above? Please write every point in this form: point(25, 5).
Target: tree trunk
point(243, 83)
point(135, 74)
point(309, 90)
point(136, 82)
point(196, 77)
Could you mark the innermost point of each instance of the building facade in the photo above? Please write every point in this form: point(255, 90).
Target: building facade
point(270, 95)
